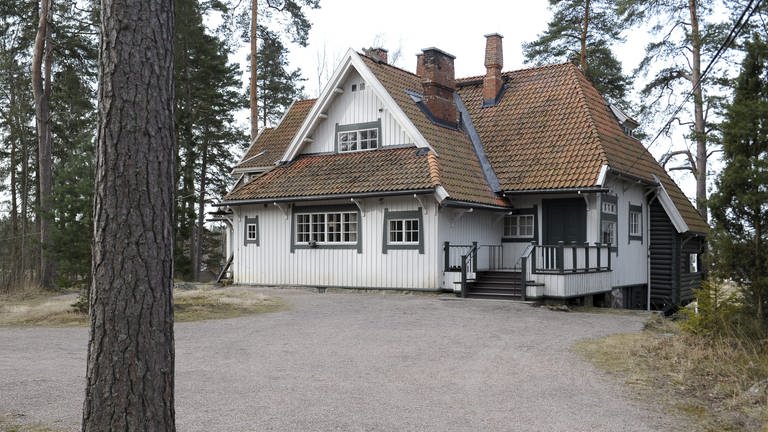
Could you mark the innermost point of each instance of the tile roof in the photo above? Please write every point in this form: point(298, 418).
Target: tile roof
point(272, 142)
point(384, 170)
point(459, 170)
point(553, 130)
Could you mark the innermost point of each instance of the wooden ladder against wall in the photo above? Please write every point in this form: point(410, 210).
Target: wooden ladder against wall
point(225, 268)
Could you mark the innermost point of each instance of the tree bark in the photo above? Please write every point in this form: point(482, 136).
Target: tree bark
point(699, 130)
point(584, 34)
point(254, 46)
point(41, 88)
point(130, 372)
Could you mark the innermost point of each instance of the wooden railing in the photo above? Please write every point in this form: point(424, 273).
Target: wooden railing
point(565, 258)
point(484, 257)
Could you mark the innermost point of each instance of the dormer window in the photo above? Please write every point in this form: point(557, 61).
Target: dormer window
point(358, 137)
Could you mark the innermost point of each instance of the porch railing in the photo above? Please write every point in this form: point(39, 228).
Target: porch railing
point(484, 257)
point(565, 258)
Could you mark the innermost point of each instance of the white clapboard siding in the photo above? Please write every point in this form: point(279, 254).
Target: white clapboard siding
point(574, 285)
point(352, 107)
point(272, 263)
point(460, 227)
point(630, 263)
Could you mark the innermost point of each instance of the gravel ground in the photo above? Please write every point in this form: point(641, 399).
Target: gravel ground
point(357, 362)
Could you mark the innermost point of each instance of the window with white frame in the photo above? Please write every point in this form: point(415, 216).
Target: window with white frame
point(608, 232)
point(609, 220)
point(635, 219)
point(519, 226)
point(403, 231)
point(251, 231)
point(326, 228)
point(357, 140)
point(693, 263)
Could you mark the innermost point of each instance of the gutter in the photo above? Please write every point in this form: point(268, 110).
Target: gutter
point(557, 191)
point(464, 204)
point(324, 197)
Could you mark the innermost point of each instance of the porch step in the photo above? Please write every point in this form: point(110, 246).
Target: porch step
point(496, 285)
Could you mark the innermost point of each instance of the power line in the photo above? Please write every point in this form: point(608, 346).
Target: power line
point(732, 35)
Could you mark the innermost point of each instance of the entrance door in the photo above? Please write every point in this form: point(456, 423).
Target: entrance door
point(565, 220)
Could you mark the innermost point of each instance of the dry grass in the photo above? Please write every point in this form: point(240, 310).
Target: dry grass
point(7, 424)
point(47, 310)
point(707, 380)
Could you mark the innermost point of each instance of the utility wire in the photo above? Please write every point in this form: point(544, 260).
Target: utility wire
point(732, 35)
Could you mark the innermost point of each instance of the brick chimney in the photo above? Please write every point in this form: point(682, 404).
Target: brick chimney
point(378, 54)
point(435, 67)
point(494, 61)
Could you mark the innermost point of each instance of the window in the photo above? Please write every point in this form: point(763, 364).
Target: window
point(693, 263)
point(609, 220)
point(358, 137)
point(364, 139)
point(251, 231)
point(519, 226)
point(320, 228)
point(403, 231)
point(608, 233)
point(635, 220)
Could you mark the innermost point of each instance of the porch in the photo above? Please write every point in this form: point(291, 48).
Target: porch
point(542, 271)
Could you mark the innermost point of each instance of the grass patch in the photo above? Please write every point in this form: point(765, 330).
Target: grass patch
point(7, 424)
point(706, 379)
point(46, 310)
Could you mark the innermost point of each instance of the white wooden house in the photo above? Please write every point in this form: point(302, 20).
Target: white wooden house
point(527, 180)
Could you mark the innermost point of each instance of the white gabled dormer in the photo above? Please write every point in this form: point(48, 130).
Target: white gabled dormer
point(353, 113)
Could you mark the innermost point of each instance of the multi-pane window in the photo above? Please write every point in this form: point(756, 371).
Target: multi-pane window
point(693, 263)
point(330, 227)
point(251, 231)
point(609, 207)
point(518, 226)
point(403, 231)
point(608, 232)
point(634, 224)
point(356, 140)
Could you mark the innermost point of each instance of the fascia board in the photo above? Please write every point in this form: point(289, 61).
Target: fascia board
point(671, 209)
point(325, 98)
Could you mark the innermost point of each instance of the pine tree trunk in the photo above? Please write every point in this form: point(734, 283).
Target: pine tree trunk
point(584, 34)
point(197, 244)
point(254, 46)
point(130, 373)
point(41, 88)
point(698, 108)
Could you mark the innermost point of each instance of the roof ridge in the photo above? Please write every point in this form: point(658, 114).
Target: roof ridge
point(578, 76)
point(513, 71)
point(381, 63)
point(433, 165)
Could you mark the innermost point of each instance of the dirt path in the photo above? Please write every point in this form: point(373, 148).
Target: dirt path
point(355, 362)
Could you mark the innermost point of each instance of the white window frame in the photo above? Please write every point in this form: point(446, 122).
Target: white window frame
point(609, 207)
point(326, 228)
point(611, 231)
point(356, 144)
point(635, 224)
point(251, 232)
point(407, 227)
point(693, 263)
point(513, 226)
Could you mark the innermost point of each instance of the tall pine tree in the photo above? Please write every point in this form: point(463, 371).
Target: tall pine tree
point(582, 32)
point(277, 86)
point(740, 203)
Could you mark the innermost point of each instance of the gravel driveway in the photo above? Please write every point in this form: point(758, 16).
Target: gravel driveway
point(357, 362)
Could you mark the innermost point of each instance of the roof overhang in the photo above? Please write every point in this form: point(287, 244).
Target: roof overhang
point(466, 204)
point(670, 208)
point(325, 197)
